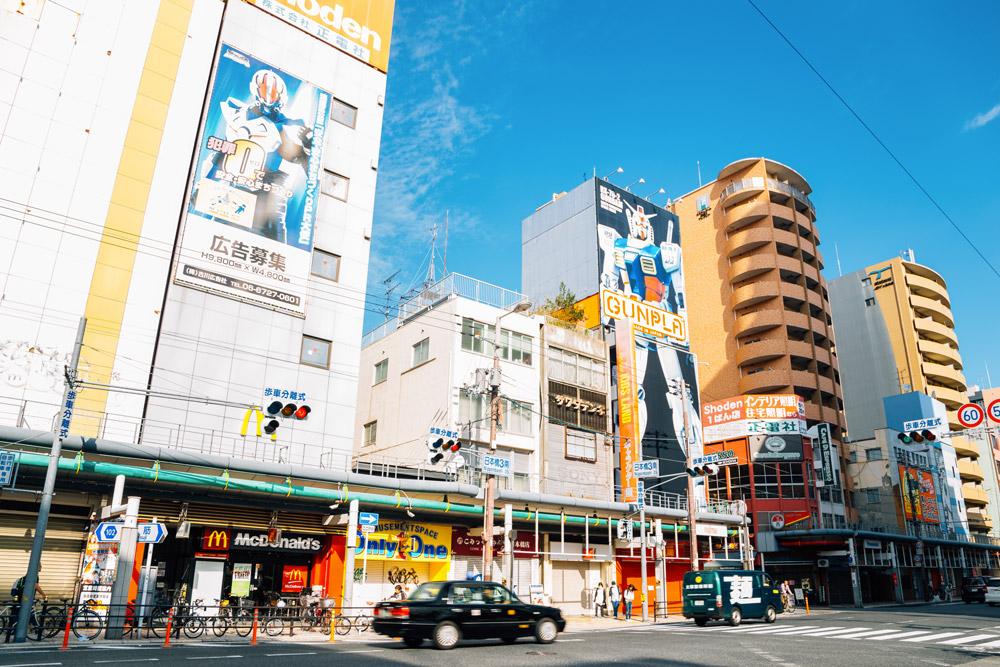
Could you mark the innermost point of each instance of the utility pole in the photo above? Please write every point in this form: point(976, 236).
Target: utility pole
point(352, 545)
point(48, 489)
point(644, 541)
point(489, 495)
point(692, 501)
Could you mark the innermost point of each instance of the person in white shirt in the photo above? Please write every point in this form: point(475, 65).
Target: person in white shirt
point(628, 597)
point(614, 597)
point(599, 599)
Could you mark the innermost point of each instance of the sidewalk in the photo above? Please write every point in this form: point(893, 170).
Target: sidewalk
point(586, 622)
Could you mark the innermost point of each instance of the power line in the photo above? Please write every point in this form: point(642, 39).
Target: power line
point(875, 137)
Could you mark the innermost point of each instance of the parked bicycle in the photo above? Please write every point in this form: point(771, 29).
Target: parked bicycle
point(47, 620)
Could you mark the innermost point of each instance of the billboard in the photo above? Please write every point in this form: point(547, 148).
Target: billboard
point(250, 216)
point(918, 485)
point(359, 28)
point(753, 414)
point(639, 259)
point(783, 447)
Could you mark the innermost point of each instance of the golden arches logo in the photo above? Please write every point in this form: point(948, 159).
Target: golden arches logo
point(296, 575)
point(217, 539)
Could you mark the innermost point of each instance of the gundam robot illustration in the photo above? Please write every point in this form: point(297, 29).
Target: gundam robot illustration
point(267, 144)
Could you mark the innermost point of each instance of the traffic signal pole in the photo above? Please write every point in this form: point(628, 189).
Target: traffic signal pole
point(48, 490)
point(692, 501)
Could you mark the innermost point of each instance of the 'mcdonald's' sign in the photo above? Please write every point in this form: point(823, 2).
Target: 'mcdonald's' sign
point(404, 541)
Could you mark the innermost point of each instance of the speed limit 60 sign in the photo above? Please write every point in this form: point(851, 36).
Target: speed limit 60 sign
point(971, 415)
point(993, 410)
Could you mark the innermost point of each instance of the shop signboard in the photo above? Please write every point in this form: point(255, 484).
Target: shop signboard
point(249, 221)
point(293, 578)
point(464, 544)
point(753, 414)
point(215, 539)
point(240, 586)
point(919, 483)
point(408, 541)
point(251, 540)
point(825, 442)
point(786, 447)
point(578, 551)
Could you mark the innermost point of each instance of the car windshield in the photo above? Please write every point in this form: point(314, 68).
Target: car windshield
point(994, 581)
point(427, 591)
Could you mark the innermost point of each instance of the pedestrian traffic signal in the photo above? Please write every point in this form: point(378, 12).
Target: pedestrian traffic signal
point(703, 470)
point(438, 447)
point(917, 436)
point(928, 435)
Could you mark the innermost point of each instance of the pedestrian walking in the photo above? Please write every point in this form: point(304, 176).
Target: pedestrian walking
point(599, 599)
point(628, 597)
point(614, 596)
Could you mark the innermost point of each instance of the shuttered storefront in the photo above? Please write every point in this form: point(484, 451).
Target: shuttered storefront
point(65, 540)
point(569, 586)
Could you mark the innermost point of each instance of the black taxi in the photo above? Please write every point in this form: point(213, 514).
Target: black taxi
point(447, 611)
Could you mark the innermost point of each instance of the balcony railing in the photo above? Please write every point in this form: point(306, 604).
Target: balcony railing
point(792, 191)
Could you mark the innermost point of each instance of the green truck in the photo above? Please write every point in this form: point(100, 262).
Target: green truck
point(731, 595)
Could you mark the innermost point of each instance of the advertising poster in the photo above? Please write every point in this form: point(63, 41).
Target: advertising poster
point(250, 218)
point(783, 447)
point(405, 541)
point(293, 578)
point(628, 411)
point(639, 259)
point(753, 414)
point(918, 485)
point(100, 561)
point(240, 586)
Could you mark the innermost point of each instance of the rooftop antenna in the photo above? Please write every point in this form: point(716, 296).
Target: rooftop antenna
point(445, 259)
point(431, 274)
point(390, 285)
point(699, 172)
point(836, 251)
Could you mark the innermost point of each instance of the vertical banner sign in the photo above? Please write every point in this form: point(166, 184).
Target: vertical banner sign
point(628, 416)
point(240, 587)
point(248, 229)
point(825, 448)
point(642, 295)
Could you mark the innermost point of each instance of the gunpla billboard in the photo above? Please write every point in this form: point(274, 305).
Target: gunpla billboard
point(251, 214)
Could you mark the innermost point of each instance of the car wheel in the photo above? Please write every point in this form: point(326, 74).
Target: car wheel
point(446, 635)
point(546, 631)
point(735, 618)
point(770, 615)
point(413, 642)
point(701, 622)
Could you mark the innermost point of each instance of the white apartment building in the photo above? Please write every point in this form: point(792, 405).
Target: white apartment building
point(197, 179)
point(425, 373)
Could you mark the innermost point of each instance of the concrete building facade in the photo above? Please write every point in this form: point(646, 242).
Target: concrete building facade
point(987, 442)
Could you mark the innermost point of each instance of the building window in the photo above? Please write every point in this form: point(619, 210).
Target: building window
point(765, 480)
point(422, 351)
point(475, 335)
point(326, 264)
point(870, 301)
point(873, 454)
point(515, 347)
point(335, 185)
point(315, 352)
point(581, 445)
point(381, 371)
point(739, 481)
point(472, 408)
point(792, 484)
point(575, 369)
point(343, 113)
point(371, 430)
point(874, 496)
point(517, 418)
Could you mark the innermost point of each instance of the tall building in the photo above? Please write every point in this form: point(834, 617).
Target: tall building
point(197, 179)
point(987, 441)
point(899, 311)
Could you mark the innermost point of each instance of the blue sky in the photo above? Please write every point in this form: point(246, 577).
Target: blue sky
point(492, 107)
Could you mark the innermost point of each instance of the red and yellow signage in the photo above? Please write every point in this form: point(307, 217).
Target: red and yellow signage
point(293, 578)
point(360, 28)
point(215, 539)
point(628, 409)
point(405, 541)
point(919, 483)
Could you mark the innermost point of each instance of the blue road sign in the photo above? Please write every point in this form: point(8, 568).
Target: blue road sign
point(152, 533)
point(109, 532)
point(367, 518)
point(8, 467)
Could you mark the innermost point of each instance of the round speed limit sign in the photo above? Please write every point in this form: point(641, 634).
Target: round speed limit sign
point(993, 411)
point(970, 415)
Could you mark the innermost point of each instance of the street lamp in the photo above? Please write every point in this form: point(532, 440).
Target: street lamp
point(660, 191)
point(619, 170)
point(641, 181)
point(490, 490)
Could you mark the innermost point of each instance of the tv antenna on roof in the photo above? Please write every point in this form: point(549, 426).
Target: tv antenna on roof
point(390, 285)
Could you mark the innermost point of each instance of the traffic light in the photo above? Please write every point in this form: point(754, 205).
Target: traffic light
point(278, 410)
point(703, 470)
point(928, 435)
point(439, 446)
point(917, 436)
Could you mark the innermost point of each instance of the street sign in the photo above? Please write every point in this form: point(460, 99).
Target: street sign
point(152, 533)
point(971, 415)
point(649, 468)
point(993, 411)
point(367, 519)
point(109, 532)
point(724, 458)
point(918, 424)
point(498, 466)
point(625, 530)
point(8, 467)
point(640, 494)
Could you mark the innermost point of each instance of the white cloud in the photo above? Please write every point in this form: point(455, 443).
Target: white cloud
point(983, 118)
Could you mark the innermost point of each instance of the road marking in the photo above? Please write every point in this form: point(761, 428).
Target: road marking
point(276, 655)
point(868, 633)
point(995, 644)
point(773, 630)
point(34, 664)
point(752, 628)
point(108, 662)
point(900, 635)
point(212, 657)
point(813, 629)
point(374, 650)
point(940, 635)
point(831, 633)
point(967, 640)
point(569, 640)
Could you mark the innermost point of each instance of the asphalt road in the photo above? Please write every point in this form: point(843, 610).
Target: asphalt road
point(947, 634)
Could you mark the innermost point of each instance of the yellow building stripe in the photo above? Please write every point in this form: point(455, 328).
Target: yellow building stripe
point(116, 254)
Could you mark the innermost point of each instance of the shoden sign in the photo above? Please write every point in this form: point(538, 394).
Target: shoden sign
point(645, 317)
point(399, 540)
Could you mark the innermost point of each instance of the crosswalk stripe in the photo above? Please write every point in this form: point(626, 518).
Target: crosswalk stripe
point(748, 628)
point(830, 633)
point(800, 632)
point(773, 630)
point(967, 640)
point(940, 635)
point(995, 644)
point(900, 635)
point(869, 633)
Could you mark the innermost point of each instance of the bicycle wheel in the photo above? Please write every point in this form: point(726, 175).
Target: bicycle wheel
point(194, 627)
point(157, 624)
point(87, 624)
point(219, 625)
point(362, 622)
point(274, 626)
point(7, 619)
point(53, 622)
point(243, 622)
point(343, 625)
